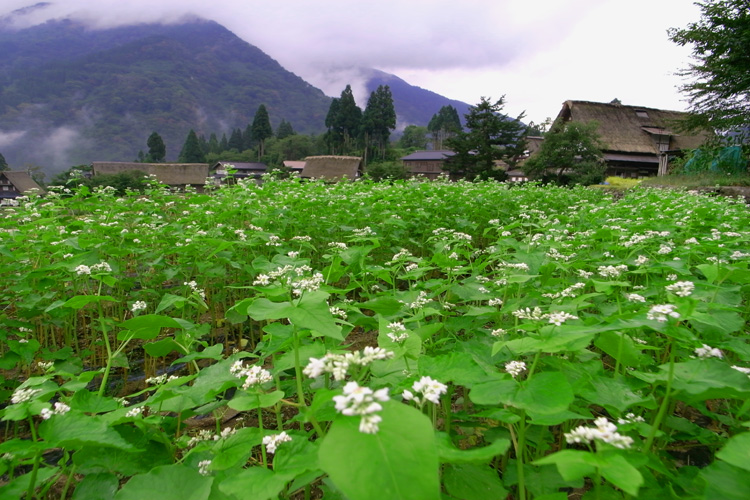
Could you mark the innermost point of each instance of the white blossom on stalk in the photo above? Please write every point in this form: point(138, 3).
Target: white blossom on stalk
point(430, 389)
point(272, 442)
point(604, 431)
point(706, 351)
point(634, 297)
point(23, 395)
point(662, 312)
point(681, 288)
point(495, 302)
point(338, 364)
point(138, 305)
point(254, 375)
point(101, 267)
point(83, 270)
point(515, 368)
point(362, 401)
point(58, 409)
point(397, 332)
point(134, 412)
point(560, 317)
point(203, 466)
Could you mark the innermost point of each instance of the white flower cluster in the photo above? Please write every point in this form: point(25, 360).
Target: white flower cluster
point(83, 270)
point(138, 305)
point(203, 466)
point(662, 312)
point(337, 311)
point(134, 412)
point(403, 254)
point(527, 313)
point(681, 288)
point(272, 442)
point(634, 297)
point(430, 389)
point(23, 395)
point(604, 431)
point(194, 288)
point(560, 317)
point(630, 418)
point(612, 271)
point(59, 409)
point(254, 375)
point(568, 292)
point(515, 368)
point(160, 379)
point(101, 267)
point(706, 351)
point(498, 332)
point(338, 245)
point(364, 232)
point(364, 402)
point(397, 332)
point(338, 364)
point(420, 301)
point(495, 302)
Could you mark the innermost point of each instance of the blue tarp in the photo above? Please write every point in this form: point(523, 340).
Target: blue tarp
point(727, 160)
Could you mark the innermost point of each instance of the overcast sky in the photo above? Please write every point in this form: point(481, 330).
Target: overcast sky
point(536, 53)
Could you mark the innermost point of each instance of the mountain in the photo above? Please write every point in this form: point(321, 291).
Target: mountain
point(71, 95)
point(414, 105)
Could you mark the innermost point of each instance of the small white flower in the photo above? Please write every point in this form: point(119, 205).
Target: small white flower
point(23, 395)
point(681, 288)
point(134, 412)
point(706, 351)
point(138, 305)
point(662, 312)
point(604, 431)
point(83, 270)
point(430, 389)
point(362, 401)
point(272, 442)
point(560, 317)
point(203, 466)
point(634, 297)
point(515, 368)
point(495, 302)
point(498, 332)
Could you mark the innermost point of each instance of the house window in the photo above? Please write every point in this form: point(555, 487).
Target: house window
point(641, 113)
point(6, 188)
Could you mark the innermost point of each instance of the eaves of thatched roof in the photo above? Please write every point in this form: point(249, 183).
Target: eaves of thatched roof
point(171, 174)
point(333, 168)
point(22, 181)
point(633, 129)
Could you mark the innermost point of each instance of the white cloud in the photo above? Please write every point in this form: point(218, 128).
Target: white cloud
point(537, 54)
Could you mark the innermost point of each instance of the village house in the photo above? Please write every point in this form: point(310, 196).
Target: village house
point(174, 175)
point(638, 141)
point(15, 184)
point(241, 170)
point(332, 168)
point(427, 163)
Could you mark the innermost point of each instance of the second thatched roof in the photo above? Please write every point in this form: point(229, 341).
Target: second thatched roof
point(171, 174)
point(332, 168)
point(632, 129)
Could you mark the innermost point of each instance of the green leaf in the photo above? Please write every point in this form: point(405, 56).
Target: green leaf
point(80, 301)
point(457, 367)
point(89, 402)
point(161, 348)
point(737, 451)
point(74, 430)
point(621, 347)
point(615, 395)
point(312, 313)
point(262, 309)
point(146, 327)
point(236, 449)
point(246, 402)
point(726, 482)
point(473, 481)
point(256, 483)
point(356, 461)
point(494, 392)
point(172, 482)
point(97, 486)
point(545, 393)
point(297, 456)
point(169, 300)
point(618, 471)
point(448, 453)
point(571, 464)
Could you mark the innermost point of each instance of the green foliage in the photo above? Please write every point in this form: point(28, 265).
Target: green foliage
point(191, 151)
point(3, 163)
point(261, 128)
point(719, 94)
point(157, 151)
point(443, 125)
point(378, 120)
point(571, 153)
point(386, 170)
point(284, 130)
point(492, 137)
point(413, 137)
point(344, 121)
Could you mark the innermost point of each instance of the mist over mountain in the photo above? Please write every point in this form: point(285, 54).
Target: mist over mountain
point(72, 95)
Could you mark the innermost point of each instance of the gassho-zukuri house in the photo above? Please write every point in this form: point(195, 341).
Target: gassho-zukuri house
point(638, 141)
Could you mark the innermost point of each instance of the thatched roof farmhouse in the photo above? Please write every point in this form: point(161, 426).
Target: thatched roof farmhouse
point(427, 163)
point(332, 168)
point(638, 141)
point(15, 184)
point(176, 175)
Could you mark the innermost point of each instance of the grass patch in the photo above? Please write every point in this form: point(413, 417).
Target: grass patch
point(696, 181)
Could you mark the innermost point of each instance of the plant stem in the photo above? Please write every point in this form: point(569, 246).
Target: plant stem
point(664, 403)
point(260, 426)
point(37, 459)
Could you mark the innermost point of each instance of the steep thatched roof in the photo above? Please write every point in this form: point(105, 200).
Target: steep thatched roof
point(432, 155)
point(334, 168)
point(22, 182)
point(171, 174)
point(633, 129)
